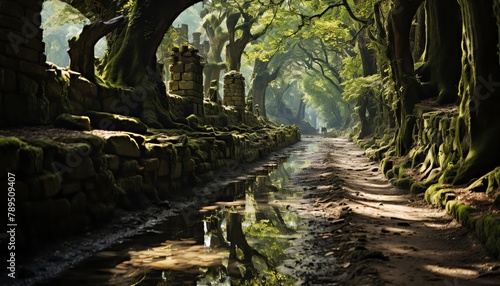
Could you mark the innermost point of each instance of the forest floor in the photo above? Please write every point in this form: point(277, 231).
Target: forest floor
point(363, 231)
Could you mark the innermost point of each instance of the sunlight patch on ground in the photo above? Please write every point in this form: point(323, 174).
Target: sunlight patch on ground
point(452, 272)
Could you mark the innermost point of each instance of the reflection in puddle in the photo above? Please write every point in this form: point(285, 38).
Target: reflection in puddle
point(239, 240)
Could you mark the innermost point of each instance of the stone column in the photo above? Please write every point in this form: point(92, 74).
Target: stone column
point(234, 92)
point(22, 63)
point(186, 79)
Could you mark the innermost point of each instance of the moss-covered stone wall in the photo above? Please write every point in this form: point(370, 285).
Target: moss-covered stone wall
point(22, 70)
point(75, 179)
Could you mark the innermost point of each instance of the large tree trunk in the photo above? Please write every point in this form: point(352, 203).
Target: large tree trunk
point(236, 46)
point(81, 48)
point(134, 49)
point(366, 101)
point(400, 55)
point(131, 59)
point(419, 32)
point(261, 78)
point(441, 72)
point(479, 89)
point(217, 42)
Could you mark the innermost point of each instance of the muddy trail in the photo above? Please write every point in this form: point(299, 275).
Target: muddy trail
point(363, 231)
point(317, 213)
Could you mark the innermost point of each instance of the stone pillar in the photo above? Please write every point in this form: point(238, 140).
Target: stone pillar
point(234, 92)
point(186, 79)
point(197, 40)
point(183, 31)
point(22, 63)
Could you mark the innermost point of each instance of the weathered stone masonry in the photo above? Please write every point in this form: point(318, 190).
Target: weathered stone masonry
point(75, 179)
point(186, 79)
point(67, 180)
point(22, 61)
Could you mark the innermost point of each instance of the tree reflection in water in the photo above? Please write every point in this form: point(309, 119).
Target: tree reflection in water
point(239, 240)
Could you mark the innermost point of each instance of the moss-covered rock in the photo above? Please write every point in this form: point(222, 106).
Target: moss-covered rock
point(30, 159)
point(418, 188)
point(461, 212)
point(386, 165)
point(73, 122)
point(122, 145)
point(439, 196)
point(9, 148)
point(403, 183)
point(115, 122)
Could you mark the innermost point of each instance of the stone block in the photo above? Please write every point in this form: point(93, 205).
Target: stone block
point(113, 162)
point(188, 167)
point(189, 76)
point(177, 171)
point(109, 121)
point(164, 168)
point(186, 85)
point(22, 190)
point(7, 80)
point(173, 86)
point(151, 164)
point(72, 122)
point(30, 159)
point(11, 23)
point(122, 145)
point(129, 168)
point(70, 187)
point(76, 107)
point(51, 185)
point(9, 148)
point(11, 8)
point(84, 170)
point(176, 68)
point(176, 76)
point(78, 203)
point(192, 67)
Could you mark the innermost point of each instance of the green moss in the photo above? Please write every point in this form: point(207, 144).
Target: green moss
point(109, 121)
point(487, 229)
point(399, 171)
point(96, 143)
point(193, 121)
point(9, 148)
point(431, 191)
point(439, 197)
point(30, 159)
point(449, 174)
point(461, 212)
point(390, 174)
point(417, 188)
point(386, 165)
point(72, 122)
point(403, 183)
point(493, 189)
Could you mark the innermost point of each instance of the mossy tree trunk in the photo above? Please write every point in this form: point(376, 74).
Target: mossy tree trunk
point(419, 34)
point(479, 90)
point(441, 72)
point(218, 39)
point(400, 55)
point(81, 48)
point(130, 60)
point(261, 78)
point(366, 103)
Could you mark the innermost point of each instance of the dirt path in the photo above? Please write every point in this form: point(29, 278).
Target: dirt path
point(363, 231)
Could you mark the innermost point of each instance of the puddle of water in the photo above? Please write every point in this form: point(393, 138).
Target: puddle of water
point(238, 240)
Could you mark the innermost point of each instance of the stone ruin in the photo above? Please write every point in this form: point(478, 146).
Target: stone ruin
point(234, 92)
point(186, 79)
